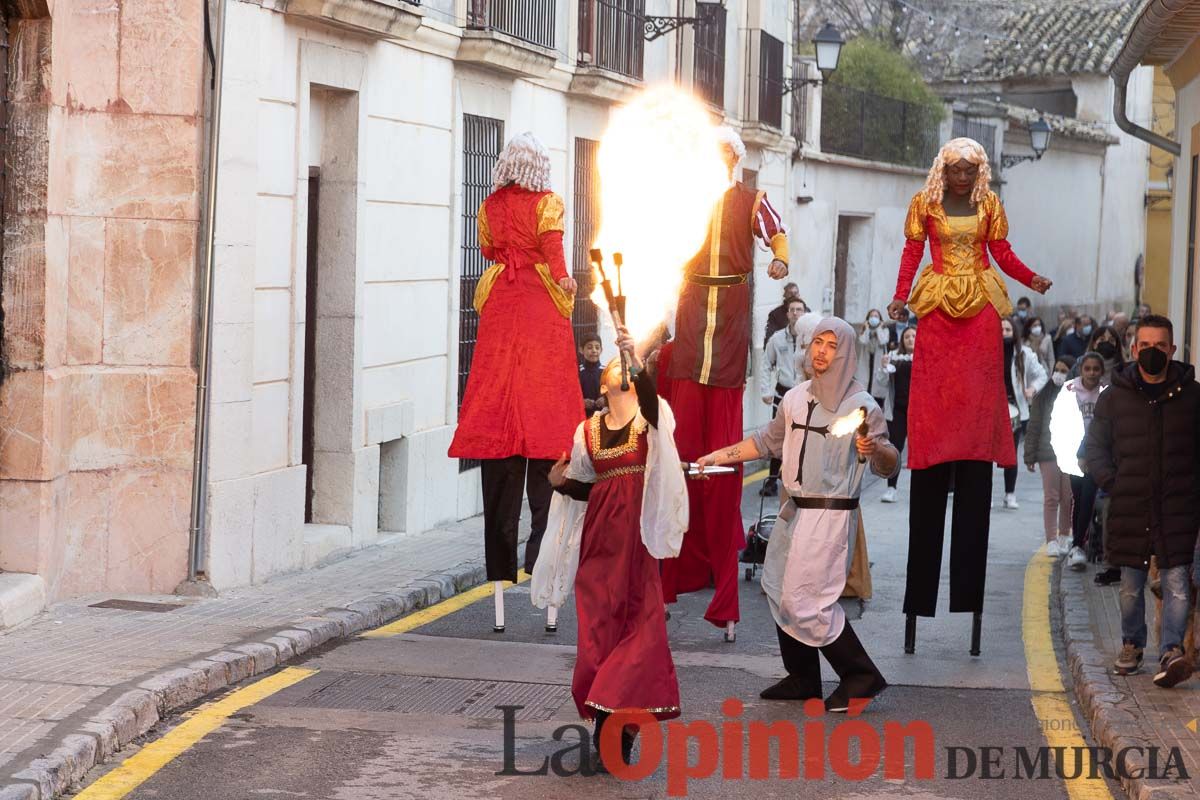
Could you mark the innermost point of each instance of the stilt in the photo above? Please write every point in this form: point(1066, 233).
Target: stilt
point(976, 630)
point(910, 634)
point(498, 596)
point(730, 634)
point(551, 619)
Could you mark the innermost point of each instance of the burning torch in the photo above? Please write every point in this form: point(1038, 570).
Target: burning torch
point(616, 303)
point(854, 422)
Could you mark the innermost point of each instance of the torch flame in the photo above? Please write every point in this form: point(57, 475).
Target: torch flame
point(661, 174)
point(844, 426)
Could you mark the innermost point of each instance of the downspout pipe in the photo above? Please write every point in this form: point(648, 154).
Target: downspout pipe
point(1153, 20)
point(197, 581)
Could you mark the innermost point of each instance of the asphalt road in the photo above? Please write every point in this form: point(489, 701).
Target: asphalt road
point(414, 716)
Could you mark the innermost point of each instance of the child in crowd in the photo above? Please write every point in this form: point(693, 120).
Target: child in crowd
point(589, 373)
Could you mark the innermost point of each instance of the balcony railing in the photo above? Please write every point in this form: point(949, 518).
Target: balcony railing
point(610, 35)
point(770, 81)
point(866, 125)
point(528, 20)
point(709, 66)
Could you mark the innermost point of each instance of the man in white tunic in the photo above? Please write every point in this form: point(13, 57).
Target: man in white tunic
point(808, 556)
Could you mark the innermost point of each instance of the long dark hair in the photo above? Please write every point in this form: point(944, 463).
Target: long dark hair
point(1018, 343)
point(1108, 332)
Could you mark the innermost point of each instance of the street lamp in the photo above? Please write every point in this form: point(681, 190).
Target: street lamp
point(1039, 140)
point(828, 43)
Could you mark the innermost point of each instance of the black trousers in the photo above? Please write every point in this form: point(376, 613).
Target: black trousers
point(505, 480)
point(800, 660)
point(776, 464)
point(1010, 473)
point(898, 435)
point(1083, 492)
point(968, 535)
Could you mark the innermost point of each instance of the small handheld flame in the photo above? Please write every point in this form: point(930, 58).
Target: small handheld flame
point(844, 426)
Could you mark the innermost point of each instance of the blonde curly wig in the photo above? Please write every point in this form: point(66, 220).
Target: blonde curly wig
point(728, 137)
point(524, 162)
point(954, 150)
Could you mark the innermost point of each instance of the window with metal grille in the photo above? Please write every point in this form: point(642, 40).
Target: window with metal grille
point(800, 102)
point(587, 224)
point(483, 138)
point(610, 35)
point(982, 132)
point(770, 81)
point(528, 20)
point(709, 65)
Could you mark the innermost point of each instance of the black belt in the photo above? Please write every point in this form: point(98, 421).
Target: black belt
point(715, 280)
point(829, 503)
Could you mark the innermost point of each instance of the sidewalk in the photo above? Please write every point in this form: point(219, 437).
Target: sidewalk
point(77, 682)
point(1132, 711)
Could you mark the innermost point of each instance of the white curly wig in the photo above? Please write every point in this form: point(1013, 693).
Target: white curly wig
point(954, 150)
point(524, 162)
point(728, 137)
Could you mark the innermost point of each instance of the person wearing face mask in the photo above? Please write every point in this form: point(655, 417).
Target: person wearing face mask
point(1069, 420)
point(1024, 377)
point(1075, 343)
point(872, 346)
point(1040, 342)
point(1143, 447)
point(1039, 456)
point(1106, 342)
point(895, 374)
point(1024, 310)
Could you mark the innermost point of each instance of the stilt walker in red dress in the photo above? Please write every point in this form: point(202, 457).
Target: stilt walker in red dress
point(522, 400)
point(959, 423)
point(621, 504)
point(707, 373)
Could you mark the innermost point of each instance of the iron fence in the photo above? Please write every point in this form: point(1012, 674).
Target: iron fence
point(483, 137)
point(770, 81)
point(610, 35)
point(866, 125)
point(709, 64)
point(528, 20)
point(587, 225)
point(982, 132)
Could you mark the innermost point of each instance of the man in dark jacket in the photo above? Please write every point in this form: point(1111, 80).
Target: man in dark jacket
point(1143, 448)
point(777, 320)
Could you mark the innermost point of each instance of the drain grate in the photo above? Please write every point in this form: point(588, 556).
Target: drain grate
point(136, 605)
point(419, 694)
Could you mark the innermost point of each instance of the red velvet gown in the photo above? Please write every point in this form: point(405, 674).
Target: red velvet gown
point(623, 660)
point(523, 396)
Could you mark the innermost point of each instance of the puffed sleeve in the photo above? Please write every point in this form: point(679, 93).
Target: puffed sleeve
point(997, 219)
point(914, 223)
point(485, 233)
point(914, 248)
point(550, 213)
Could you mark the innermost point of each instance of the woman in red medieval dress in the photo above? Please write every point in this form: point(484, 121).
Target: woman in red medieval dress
point(958, 415)
point(621, 504)
point(522, 399)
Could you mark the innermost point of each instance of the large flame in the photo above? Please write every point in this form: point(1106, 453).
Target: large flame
point(844, 426)
point(661, 174)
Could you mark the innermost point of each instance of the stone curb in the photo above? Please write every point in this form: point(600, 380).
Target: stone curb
point(138, 710)
point(1110, 710)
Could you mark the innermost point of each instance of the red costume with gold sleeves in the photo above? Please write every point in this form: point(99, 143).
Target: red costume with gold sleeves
point(706, 371)
point(523, 396)
point(957, 403)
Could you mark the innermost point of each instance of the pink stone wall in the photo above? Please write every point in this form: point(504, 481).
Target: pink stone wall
point(100, 264)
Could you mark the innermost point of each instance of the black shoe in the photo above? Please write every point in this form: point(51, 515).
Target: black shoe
point(793, 688)
point(1108, 577)
point(1174, 669)
point(769, 489)
point(860, 678)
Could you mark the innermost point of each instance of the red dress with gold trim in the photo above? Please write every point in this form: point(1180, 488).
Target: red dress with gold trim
point(623, 660)
point(957, 408)
point(523, 396)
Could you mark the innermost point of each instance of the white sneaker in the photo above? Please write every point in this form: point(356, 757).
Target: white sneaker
point(889, 496)
point(1052, 549)
point(1064, 544)
point(1010, 502)
point(1076, 560)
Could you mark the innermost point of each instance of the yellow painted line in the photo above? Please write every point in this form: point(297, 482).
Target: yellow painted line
point(139, 768)
point(1050, 702)
point(439, 610)
point(757, 476)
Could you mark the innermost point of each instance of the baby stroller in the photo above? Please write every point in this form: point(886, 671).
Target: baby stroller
point(756, 541)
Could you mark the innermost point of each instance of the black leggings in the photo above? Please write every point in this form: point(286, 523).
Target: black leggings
point(1010, 473)
point(969, 530)
point(898, 434)
point(505, 480)
point(1083, 492)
